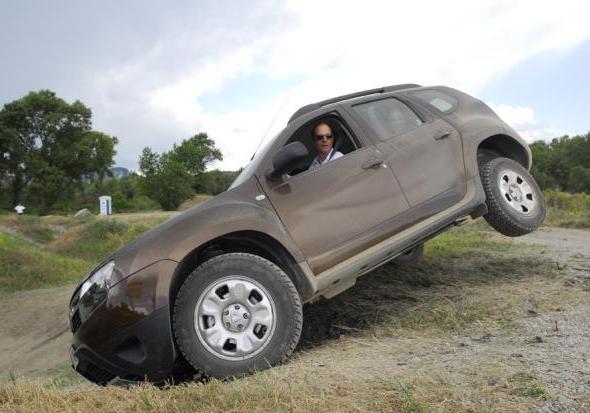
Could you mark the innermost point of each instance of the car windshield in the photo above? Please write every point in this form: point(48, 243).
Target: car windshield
point(248, 171)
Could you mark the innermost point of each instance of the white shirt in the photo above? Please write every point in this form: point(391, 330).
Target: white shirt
point(19, 209)
point(316, 163)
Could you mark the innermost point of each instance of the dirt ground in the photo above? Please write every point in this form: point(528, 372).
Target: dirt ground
point(34, 332)
point(553, 346)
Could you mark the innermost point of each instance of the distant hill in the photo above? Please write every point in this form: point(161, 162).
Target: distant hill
point(119, 172)
point(116, 172)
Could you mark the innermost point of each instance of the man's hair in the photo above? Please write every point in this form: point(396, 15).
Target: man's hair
point(322, 122)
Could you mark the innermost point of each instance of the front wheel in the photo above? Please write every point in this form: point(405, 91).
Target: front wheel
point(235, 314)
point(515, 202)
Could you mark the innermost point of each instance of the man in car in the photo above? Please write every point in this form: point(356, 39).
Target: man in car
point(324, 144)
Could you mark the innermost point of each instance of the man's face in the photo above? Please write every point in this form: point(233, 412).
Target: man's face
point(323, 139)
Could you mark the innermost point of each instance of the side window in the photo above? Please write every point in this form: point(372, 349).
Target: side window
point(388, 117)
point(437, 99)
point(342, 141)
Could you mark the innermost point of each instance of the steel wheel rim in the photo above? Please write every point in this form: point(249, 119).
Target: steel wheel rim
point(517, 192)
point(235, 318)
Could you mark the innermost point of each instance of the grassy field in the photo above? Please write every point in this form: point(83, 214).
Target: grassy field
point(471, 282)
point(52, 251)
point(38, 252)
point(470, 279)
point(567, 210)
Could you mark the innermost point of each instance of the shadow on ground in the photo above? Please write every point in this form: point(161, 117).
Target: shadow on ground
point(387, 295)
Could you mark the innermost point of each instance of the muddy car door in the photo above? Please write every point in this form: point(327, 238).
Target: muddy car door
point(342, 207)
point(425, 154)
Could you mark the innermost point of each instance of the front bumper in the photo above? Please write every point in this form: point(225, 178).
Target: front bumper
point(128, 337)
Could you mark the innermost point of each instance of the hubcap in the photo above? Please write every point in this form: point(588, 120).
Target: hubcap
point(517, 192)
point(235, 318)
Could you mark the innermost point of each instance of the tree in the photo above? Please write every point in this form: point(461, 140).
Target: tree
point(47, 145)
point(579, 179)
point(563, 164)
point(195, 153)
point(170, 177)
point(214, 182)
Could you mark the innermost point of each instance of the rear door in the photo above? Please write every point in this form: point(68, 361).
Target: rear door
point(426, 155)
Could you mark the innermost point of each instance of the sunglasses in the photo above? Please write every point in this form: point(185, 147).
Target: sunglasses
point(321, 137)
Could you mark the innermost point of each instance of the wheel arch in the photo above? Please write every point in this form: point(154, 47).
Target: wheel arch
point(247, 241)
point(506, 146)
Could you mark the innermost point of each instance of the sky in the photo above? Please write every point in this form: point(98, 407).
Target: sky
point(156, 72)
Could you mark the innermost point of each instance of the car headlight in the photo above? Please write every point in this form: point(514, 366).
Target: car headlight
point(100, 280)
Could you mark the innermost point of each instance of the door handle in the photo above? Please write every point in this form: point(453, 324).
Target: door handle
point(442, 135)
point(373, 162)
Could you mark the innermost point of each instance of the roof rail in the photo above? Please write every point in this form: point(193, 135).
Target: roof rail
point(313, 106)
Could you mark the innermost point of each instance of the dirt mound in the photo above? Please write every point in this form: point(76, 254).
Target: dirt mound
point(35, 334)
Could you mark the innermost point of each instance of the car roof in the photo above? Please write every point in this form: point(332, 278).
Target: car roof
point(314, 106)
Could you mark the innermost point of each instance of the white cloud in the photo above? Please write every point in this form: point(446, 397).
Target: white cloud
point(515, 116)
point(524, 121)
point(337, 48)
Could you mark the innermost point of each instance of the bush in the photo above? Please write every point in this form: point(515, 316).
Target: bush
point(96, 240)
point(567, 210)
point(563, 163)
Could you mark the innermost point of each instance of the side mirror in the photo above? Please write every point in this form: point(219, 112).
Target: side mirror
point(290, 157)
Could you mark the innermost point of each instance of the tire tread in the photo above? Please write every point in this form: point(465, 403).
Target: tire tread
point(281, 277)
point(497, 216)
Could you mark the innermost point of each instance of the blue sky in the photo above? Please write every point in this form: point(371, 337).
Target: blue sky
point(155, 72)
point(557, 83)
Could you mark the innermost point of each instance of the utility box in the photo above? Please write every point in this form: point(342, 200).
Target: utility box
point(106, 205)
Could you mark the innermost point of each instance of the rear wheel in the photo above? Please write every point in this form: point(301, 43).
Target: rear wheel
point(515, 202)
point(235, 314)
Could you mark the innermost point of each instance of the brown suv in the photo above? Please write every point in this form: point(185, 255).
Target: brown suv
point(219, 289)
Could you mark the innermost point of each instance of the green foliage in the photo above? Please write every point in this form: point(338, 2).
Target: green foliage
point(30, 227)
point(567, 210)
point(579, 179)
point(33, 255)
point(169, 183)
point(214, 182)
point(195, 153)
point(25, 266)
point(563, 164)
point(527, 385)
point(126, 193)
point(48, 145)
point(94, 241)
point(170, 177)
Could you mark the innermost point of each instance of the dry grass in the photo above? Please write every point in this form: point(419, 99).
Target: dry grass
point(467, 277)
point(281, 390)
point(25, 266)
point(195, 200)
point(30, 227)
point(381, 346)
point(567, 210)
point(94, 241)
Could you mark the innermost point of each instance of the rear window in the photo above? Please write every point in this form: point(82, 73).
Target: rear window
point(437, 99)
point(388, 117)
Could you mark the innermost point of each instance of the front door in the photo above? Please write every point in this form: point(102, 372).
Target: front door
point(341, 208)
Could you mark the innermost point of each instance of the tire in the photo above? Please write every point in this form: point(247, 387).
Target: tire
point(515, 202)
point(411, 257)
point(236, 314)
